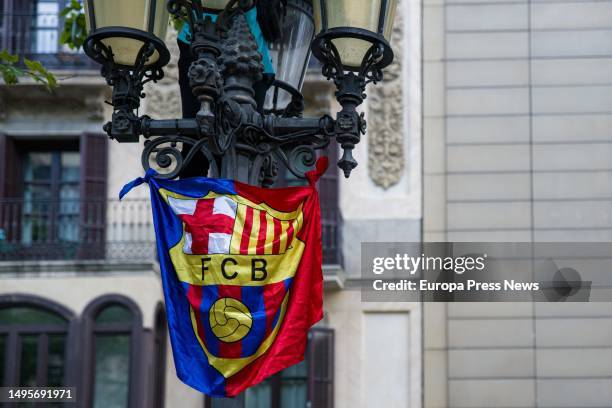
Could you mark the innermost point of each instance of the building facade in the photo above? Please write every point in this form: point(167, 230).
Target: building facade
point(517, 119)
point(80, 294)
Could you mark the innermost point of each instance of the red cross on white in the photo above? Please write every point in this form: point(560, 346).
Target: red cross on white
point(209, 224)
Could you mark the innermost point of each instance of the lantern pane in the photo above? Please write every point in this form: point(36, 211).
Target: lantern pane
point(389, 17)
point(131, 14)
point(291, 53)
point(120, 13)
point(162, 18)
point(352, 13)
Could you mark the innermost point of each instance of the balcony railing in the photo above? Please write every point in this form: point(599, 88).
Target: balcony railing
point(36, 36)
point(76, 230)
point(98, 230)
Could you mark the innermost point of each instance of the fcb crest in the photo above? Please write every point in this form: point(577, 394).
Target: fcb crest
point(236, 260)
point(241, 272)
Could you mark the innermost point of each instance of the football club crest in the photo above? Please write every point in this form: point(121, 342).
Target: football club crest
point(241, 270)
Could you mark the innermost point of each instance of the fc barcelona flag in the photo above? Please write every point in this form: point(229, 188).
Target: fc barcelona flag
point(241, 271)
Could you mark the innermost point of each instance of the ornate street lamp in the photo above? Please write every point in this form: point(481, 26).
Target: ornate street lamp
point(126, 38)
point(353, 46)
point(241, 136)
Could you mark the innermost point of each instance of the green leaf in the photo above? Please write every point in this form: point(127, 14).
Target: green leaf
point(51, 81)
point(35, 66)
point(35, 70)
point(39, 73)
point(6, 57)
point(10, 74)
point(80, 19)
point(64, 37)
point(74, 31)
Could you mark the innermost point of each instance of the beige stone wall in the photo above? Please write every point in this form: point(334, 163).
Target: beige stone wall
point(377, 351)
point(517, 113)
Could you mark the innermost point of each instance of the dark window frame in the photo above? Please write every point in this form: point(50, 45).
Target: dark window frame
point(12, 348)
point(135, 330)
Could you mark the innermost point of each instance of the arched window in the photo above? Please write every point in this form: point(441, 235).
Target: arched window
point(113, 330)
point(34, 336)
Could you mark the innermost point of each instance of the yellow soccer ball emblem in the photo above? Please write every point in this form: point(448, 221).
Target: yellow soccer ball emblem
point(230, 319)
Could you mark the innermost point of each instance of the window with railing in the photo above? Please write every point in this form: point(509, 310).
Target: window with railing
point(53, 203)
point(31, 28)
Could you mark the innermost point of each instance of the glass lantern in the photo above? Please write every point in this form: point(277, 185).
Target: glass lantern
point(291, 53)
point(124, 26)
point(366, 18)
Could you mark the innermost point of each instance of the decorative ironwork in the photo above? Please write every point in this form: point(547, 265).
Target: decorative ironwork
point(127, 81)
point(164, 152)
point(351, 85)
point(239, 139)
point(294, 108)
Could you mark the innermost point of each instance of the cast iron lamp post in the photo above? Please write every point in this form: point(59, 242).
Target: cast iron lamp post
point(241, 134)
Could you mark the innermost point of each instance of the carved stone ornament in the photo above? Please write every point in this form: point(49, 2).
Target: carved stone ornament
point(95, 106)
point(385, 118)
